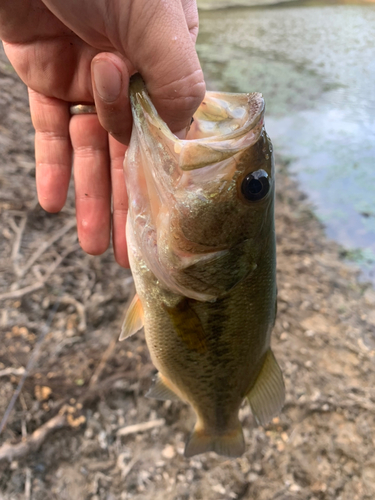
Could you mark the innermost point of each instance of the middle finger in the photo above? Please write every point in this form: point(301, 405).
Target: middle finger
point(92, 183)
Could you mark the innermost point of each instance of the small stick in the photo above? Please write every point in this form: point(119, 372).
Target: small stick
point(125, 470)
point(16, 294)
point(109, 351)
point(67, 299)
point(44, 246)
point(32, 360)
point(34, 441)
point(28, 484)
point(106, 356)
point(17, 242)
point(144, 426)
point(12, 371)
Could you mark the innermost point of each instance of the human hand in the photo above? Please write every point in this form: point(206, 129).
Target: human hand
point(84, 51)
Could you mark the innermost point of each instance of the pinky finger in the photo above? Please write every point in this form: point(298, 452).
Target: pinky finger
point(120, 202)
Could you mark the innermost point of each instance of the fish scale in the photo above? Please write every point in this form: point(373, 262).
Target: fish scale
point(201, 243)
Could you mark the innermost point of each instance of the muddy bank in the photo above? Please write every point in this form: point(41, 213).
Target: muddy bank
point(90, 388)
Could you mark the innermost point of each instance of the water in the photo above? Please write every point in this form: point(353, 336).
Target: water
point(315, 66)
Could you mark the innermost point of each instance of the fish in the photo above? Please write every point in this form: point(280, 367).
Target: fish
point(202, 250)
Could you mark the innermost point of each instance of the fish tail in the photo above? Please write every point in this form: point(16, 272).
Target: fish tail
point(230, 444)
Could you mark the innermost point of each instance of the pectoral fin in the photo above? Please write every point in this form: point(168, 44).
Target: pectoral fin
point(267, 396)
point(216, 274)
point(133, 320)
point(160, 389)
point(188, 326)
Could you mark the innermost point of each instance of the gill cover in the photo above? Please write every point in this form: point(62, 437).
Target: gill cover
point(173, 183)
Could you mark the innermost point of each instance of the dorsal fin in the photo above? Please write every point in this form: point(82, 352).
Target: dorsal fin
point(133, 320)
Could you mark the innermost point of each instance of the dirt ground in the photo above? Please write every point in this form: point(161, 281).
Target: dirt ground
point(82, 428)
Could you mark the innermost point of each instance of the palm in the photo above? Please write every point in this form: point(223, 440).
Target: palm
point(49, 57)
point(108, 42)
point(55, 64)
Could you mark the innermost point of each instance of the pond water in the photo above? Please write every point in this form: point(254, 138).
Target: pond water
point(315, 66)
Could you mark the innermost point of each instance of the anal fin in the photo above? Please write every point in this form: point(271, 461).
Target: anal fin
point(133, 320)
point(267, 396)
point(160, 389)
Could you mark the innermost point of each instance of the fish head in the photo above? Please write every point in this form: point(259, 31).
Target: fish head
point(201, 208)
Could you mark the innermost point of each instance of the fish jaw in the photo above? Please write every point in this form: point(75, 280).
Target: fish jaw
point(167, 186)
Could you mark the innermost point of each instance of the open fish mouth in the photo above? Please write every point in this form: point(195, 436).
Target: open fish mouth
point(223, 125)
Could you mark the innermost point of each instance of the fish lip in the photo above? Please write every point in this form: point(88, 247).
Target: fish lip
point(192, 154)
point(138, 93)
point(198, 153)
point(249, 125)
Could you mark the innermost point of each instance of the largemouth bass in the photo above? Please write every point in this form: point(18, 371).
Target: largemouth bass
point(201, 243)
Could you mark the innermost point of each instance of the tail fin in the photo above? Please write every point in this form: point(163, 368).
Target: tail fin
point(231, 444)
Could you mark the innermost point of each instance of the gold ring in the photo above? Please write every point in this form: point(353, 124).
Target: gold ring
point(83, 109)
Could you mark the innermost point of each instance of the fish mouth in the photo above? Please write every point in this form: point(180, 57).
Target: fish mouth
point(223, 125)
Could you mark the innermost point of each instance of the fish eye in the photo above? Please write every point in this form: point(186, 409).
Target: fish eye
point(255, 185)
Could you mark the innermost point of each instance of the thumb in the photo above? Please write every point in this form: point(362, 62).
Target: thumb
point(162, 50)
point(110, 77)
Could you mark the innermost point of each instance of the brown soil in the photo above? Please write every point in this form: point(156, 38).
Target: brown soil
point(88, 386)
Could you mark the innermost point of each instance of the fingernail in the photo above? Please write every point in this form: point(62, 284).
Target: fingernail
point(107, 79)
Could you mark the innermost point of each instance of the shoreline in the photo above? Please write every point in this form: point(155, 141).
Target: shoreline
point(209, 5)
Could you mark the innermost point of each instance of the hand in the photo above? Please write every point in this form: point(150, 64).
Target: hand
point(84, 51)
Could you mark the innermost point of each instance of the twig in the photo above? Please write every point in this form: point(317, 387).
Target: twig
point(106, 356)
point(44, 246)
point(67, 299)
point(108, 352)
point(23, 419)
point(28, 484)
point(12, 371)
point(16, 294)
point(144, 426)
point(64, 419)
point(34, 441)
point(32, 360)
point(52, 268)
point(125, 469)
point(69, 341)
point(17, 242)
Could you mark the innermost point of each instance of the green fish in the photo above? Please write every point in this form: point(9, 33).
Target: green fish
point(201, 241)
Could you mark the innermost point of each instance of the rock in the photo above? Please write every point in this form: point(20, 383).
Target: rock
point(168, 452)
